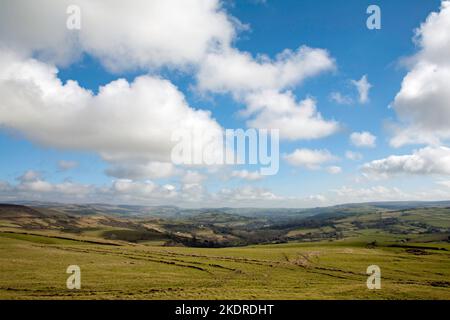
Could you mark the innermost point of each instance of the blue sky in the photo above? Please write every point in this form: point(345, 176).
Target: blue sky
point(264, 28)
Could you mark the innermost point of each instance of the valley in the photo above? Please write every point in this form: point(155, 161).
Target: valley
point(317, 253)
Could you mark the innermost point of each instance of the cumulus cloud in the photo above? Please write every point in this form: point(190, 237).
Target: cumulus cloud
point(147, 170)
point(67, 165)
point(246, 194)
point(310, 159)
point(363, 139)
point(247, 175)
point(352, 155)
point(5, 186)
point(36, 186)
point(262, 84)
point(31, 186)
point(363, 86)
point(32, 183)
point(339, 98)
point(375, 193)
point(445, 183)
point(193, 194)
point(128, 189)
point(239, 73)
point(378, 193)
point(334, 170)
point(124, 123)
point(130, 124)
point(147, 34)
point(295, 120)
point(193, 177)
point(423, 102)
point(429, 160)
point(29, 175)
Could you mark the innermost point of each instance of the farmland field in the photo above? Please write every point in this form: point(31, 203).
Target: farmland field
point(34, 268)
point(36, 249)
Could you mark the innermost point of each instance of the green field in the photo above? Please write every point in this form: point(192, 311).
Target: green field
point(33, 267)
point(225, 254)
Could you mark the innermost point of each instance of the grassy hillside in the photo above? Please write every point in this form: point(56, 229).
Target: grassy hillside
point(34, 268)
point(321, 256)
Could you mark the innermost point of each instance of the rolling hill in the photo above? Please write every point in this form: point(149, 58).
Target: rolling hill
point(319, 253)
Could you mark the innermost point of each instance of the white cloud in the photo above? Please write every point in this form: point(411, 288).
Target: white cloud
point(169, 187)
point(131, 122)
point(193, 177)
point(247, 175)
point(193, 194)
point(317, 198)
point(121, 191)
point(334, 170)
point(246, 194)
point(5, 186)
point(239, 73)
point(445, 183)
point(126, 191)
point(339, 98)
point(36, 186)
point(355, 156)
point(30, 175)
point(125, 185)
point(429, 160)
point(382, 193)
point(147, 34)
point(262, 84)
point(375, 193)
point(363, 86)
point(423, 103)
point(32, 183)
point(274, 110)
point(147, 170)
point(363, 139)
point(31, 186)
point(39, 187)
point(67, 164)
point(311, 159)
point(72, 189)
point(126, 123)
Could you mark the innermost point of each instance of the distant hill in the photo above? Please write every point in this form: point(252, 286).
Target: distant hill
point(233, 226)
point(174, 211)
point(8, 211)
